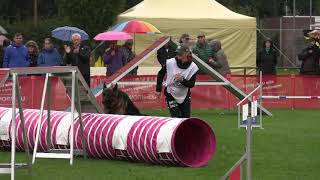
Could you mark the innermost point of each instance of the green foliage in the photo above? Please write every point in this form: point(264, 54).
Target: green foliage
point(92, 16)
point(27, 28)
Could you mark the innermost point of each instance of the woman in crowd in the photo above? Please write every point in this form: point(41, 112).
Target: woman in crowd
point(33, 52)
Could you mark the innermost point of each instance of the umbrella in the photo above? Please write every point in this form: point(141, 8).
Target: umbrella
point(2, 30)
point(111, 36)
point(136, 26)
point(64, 33)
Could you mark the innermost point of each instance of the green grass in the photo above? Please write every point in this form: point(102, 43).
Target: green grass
point(288, 148)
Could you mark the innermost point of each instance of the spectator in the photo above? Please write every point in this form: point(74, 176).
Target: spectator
point(310, 57)
point(267, 58)
point(6, 43)
point(220, 61)
point(165, 53)
point(33, 52)
point(16, 54)
point(202, 50)
point(114, 58)
point(184, 39)
point(79, 55)
point(129, 54)
point(49, 55)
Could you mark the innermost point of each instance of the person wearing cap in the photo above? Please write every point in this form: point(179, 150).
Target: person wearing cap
point(16, 54)
point(267, 58)
point(181, 77)
point(203, 50)
point(129, 54)
point(33, 52)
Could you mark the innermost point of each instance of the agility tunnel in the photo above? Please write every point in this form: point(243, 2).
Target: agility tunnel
point(160, 140)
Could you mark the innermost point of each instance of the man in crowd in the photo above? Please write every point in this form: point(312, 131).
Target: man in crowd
point(114, 58)
point(181, 76)
point(129, 54)
point(203, 50)
point(310, 57)
point(79, 55)
point(16, 54)
point(49, 55)
point(165, 53)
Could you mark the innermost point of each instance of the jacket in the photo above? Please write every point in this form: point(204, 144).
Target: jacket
point(220, 61)
point(267, 60)
point(114, 62)
point(81, 59)
point(204, 52)
point(16, 56)
point(310, 60)
point(163, 54)
point(49, 57)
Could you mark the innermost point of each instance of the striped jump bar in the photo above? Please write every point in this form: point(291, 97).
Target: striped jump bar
point(290, 97)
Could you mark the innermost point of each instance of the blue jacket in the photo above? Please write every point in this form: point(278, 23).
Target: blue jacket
point(16, 56)
point(49, 57)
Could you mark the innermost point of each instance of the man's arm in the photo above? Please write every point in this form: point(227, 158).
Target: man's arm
point(85, 53)
point(6, 58)
point(160, 77)
point(189, 83)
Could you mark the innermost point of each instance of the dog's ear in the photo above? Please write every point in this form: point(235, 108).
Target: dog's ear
point(115, 87)
point(104, 86)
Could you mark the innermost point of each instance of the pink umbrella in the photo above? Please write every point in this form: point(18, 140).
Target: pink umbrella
point(112, 36)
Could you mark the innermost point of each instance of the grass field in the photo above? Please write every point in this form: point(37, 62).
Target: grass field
point(288, 148)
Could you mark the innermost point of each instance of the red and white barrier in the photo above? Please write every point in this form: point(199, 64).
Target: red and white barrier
point(160, 140)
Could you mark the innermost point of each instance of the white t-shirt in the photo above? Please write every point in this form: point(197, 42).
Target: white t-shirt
point(175, 88)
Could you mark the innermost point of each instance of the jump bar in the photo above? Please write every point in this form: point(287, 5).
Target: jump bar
point(290, 97)
point(211, 83)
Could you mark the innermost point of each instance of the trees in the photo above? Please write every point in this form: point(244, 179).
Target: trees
point(92, 16)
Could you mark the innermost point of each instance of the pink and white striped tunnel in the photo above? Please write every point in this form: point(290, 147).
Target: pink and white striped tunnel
point(160, 140)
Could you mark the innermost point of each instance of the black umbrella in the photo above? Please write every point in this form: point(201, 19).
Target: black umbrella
point(2, 30)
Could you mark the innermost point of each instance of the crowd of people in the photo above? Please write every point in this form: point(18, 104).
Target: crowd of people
point(267, 59)
point(209, 52)
point(17, 54)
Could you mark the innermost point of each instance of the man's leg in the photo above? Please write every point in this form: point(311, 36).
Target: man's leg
point(185, 107)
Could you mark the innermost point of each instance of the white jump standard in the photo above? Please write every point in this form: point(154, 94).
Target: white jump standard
point(11, 167)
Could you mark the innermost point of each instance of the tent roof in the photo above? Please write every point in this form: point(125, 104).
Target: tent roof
point(182, 9)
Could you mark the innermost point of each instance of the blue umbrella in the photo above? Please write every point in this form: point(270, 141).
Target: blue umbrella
point(64, 33)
